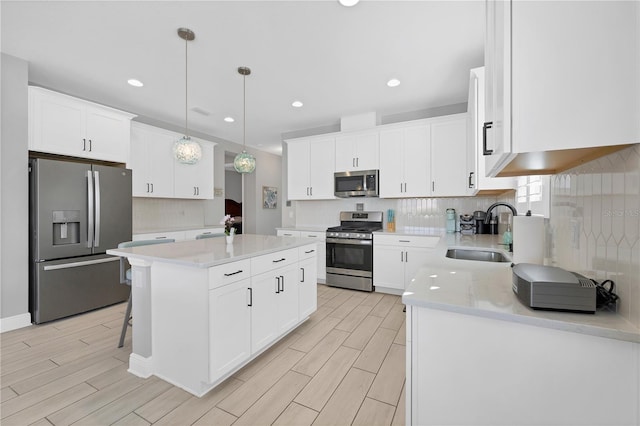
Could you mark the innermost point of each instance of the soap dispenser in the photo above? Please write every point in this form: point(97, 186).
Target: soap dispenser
point(507, 237)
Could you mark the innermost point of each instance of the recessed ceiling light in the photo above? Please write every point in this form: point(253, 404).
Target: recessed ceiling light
point(394, 82)
point(229, 119)
point(135, 83)
point(297, 104)
point(348, 3)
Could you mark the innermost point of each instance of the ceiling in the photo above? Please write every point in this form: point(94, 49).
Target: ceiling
point(334, 59)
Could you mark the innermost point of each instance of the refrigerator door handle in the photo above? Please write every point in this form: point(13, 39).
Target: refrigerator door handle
point(89, 209)
point(96, 178)
point(79, 264)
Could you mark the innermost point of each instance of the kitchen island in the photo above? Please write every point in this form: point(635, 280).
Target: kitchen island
point(203, 308)
point(477, 356)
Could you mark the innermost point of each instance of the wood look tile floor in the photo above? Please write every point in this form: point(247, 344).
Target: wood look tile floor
point(343, 366)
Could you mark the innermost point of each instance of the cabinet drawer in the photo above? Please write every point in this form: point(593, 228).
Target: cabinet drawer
point(320, 236)
point(308, 251)
point(176, 235)
point(406, 240)
point(191, 233)
point(272, 261)
point(229, 273)
point(287, 233)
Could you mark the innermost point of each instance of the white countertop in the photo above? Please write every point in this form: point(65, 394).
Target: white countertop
point(210, 252)
point(175, 229)
point(484, 289)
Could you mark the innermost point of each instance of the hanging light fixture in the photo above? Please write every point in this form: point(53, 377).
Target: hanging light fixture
point(244, 162)
point(186, 150)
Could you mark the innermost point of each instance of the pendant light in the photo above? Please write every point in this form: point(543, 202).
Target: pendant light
point(244, 162)
point(186, 150)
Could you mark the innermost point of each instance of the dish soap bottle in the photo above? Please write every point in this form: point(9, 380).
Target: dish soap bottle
point(507, 237)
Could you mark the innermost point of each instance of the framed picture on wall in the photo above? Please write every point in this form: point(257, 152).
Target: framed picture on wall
point(269, 197)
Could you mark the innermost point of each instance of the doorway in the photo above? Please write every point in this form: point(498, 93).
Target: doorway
point(233, 191)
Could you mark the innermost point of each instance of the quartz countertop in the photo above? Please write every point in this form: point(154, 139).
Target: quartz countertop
point(175, 229)
point(210, 252)
point(485, 289)
point(305, 228)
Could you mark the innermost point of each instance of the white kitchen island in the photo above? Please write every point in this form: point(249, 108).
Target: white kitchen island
point(203, 309)
point(477, 356)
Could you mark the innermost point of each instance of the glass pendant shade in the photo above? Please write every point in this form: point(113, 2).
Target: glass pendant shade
point(187, 151)
point(244, 162)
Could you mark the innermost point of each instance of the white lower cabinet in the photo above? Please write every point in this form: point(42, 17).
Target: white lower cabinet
point(396, 259)
point(229, 327)
point(503, 372)
point(307, 282)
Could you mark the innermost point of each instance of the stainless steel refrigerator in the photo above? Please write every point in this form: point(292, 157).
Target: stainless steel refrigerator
point(77, 212)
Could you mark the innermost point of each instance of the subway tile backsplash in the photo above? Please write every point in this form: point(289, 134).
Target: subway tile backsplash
point(151, 214)
point(595, 224)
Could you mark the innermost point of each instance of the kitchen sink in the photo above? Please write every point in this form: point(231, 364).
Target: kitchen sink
point(480, 255)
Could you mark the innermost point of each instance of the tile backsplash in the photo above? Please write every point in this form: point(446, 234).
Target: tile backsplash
point(151, 214)
point(595, 224)
point(426, 215)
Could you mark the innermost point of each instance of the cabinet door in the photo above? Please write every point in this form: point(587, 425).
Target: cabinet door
point(298, 170)
point(388, 266)
point(264, 315)
point(449, 157)
point(498, 85)
point(56, 123)
point(195, 180)
point(357, 151)
point(321, 164)
point(151, 160)
point(287, 298)
point(229, 327)
point(107, 133)
point(414, 258)
point(307, 288)
point(287, 233)
point(417, 161)
point(391, 163)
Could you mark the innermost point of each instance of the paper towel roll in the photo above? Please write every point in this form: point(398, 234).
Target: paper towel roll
point(528, 239)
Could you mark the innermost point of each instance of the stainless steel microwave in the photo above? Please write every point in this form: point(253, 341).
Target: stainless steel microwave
point(361, 183)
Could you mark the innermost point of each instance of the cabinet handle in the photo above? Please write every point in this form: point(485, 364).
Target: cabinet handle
point(279, 260)
point(357, 162)
point(404, 241)
point(302, 280)
point(152, 188)
point(400, 186)
point(470, 177)
point(311, 191)
point(160, 238)
point(353, 162)
point(433, 186)
point(401, 256)
point(485, 126)
point(84, 144)
point(234, 273)
point(90, 145)
point(282, 281)
point(406, 256)
point(250, 296)
point(197, 190)
point(147, 188)
point(277, 285)
point(310, 251)
point(405, 187)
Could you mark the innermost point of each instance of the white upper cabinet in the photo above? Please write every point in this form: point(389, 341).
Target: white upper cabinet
point(310, 168)
point(195, 180)
point(61, 124)
point(156, 173)
point(151, 161)
point(405, 158)
point(357, 151)
point(478, 182)
point(449, 172)
point(573, 86)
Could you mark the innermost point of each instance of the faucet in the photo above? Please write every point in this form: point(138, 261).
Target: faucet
point(493, 206)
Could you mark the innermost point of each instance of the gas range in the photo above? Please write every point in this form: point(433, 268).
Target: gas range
point(350, 250)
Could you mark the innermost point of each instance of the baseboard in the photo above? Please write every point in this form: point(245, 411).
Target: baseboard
point(15, 322)
point(140, 366)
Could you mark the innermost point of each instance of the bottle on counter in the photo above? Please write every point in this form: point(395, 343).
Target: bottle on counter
point(451, 221)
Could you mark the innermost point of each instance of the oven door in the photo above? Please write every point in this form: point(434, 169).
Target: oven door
point(350, 257)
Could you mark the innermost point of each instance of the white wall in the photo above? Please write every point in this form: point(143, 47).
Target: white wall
point(256, 219)
point(14, 190)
